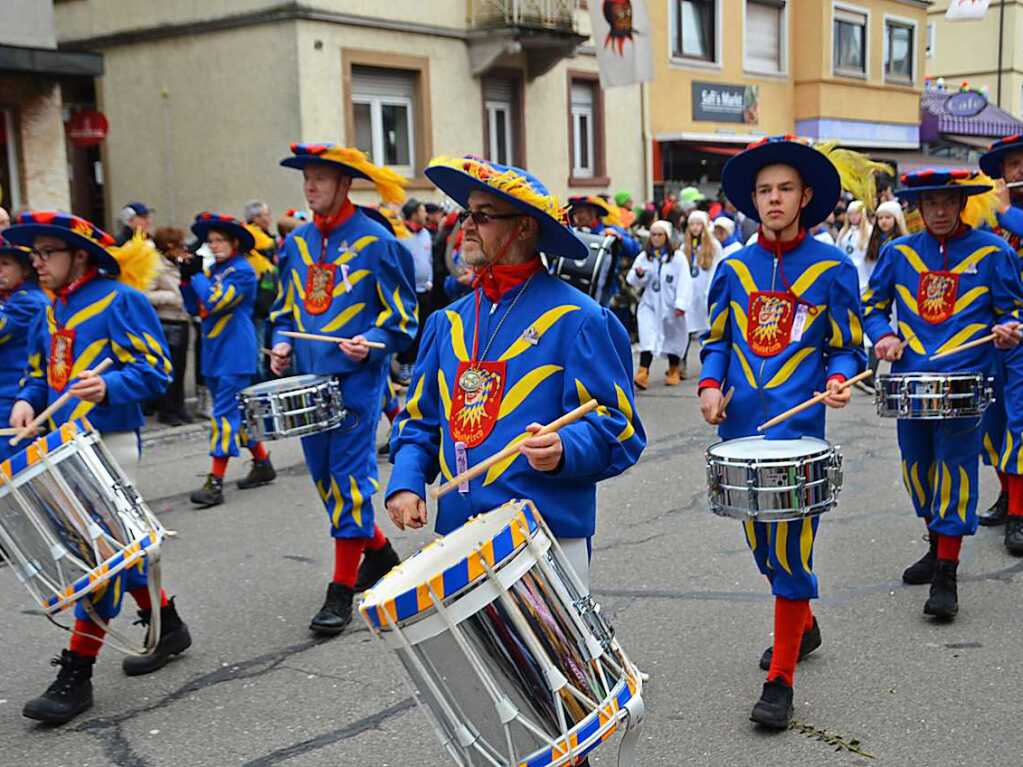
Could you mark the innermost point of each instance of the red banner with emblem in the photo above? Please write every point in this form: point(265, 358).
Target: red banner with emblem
point(474, 412)
point(936, 296)
point(770, 322)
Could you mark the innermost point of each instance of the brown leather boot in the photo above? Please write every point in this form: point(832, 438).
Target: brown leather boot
point(673, 377)
point(642, 378)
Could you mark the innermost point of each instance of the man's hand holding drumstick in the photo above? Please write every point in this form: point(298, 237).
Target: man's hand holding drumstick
point(714, 404)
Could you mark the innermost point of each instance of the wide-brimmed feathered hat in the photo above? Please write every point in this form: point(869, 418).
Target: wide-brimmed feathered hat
point(352, 162)
point(991, 160)
point(78, 233)
point(959, 179)
point(229, 225)
point(22, 253)
point(458, 177)
point(817, 171)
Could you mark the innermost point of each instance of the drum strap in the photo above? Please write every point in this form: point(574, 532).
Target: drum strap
point(627, 748)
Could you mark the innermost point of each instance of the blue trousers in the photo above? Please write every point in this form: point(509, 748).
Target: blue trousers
point(993, 424)
point(226, 431)
point(107, 599)
point(783, 552)
point(940, 468)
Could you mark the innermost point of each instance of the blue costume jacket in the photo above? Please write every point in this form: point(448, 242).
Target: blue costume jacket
point(556, 350)
point(101, 318)
point(777, 351)
point(17, 313)
point(224, 298)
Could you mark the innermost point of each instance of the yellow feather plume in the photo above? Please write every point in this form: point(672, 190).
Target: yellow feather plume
point(389, 184)
point(138, 259)
point(856, 171)
point(981, 208)
point(400, 230)
point(260, 263)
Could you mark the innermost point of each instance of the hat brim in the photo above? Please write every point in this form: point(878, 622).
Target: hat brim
point(740, 175)
point(377, 216)
point(914, 192)
point(24, 234)
point(246, 241)
point(18, 252)
point(302, 161)
point(991, 161)
point(555, 238)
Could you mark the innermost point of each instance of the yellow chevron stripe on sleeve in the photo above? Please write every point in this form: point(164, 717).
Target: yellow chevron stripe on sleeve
point(743, 273)
point(297, 283)
point(387, 311)
point(225, 302)
point(219, 325)
point(91, 310)
point(140, 346)
point(457, 336)
point(855, 329)
point(343, 318)
point(524, 387)
point(154, 345)
point(785, 371)
point(974, 258)
point(908, 299)
point(836, 334)
point(745, 367)
point(412, 406)
point(810, 276)
point(970, 296)
point(362, 242)
point(717, 327)
point(912, 257)
point(962, 336)
point(405, 317)
point(740, 318)
point(914, 341)
point(445, 393)
point(541, 325)
point(353, 279)
point(88, 356)
point(584, 396)
point(626, 410)
point(303, 250)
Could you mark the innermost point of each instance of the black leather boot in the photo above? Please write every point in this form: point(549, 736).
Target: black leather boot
point(211, 493)
point(1014, 535)
point(811, 641)
point(922, 571)
point(774, 709)
point(998, 512)
point(943, 602)
point(174, 640)
point(375, 565)
point(336, 612)
point(261, 473)
point(69, 695)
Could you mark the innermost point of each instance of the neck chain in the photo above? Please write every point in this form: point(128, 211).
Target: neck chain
point(472, 380)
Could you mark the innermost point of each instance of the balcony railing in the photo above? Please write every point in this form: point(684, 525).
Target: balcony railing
point(544, 14)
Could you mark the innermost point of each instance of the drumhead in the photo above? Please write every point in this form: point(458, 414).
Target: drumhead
point(768, 449)
point(285, 384)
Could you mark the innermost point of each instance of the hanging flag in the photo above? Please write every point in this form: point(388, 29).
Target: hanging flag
point(622, 37)
point(967, 10)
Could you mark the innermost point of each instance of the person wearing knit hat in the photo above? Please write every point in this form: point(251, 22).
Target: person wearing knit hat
point(784, 323)
point(344, 274)
point(703, 253)
point(724, 230)
point(662, 273)
point(626, 215)
point(949, 284)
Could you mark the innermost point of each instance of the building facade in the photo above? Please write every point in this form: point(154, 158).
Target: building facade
point(204, 99)
point(730, 71)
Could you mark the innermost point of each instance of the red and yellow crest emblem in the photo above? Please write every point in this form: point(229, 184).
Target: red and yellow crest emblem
point(474, 413)
point(770, 322)
point(319, 287)
point(62, 358)
point(936, 296)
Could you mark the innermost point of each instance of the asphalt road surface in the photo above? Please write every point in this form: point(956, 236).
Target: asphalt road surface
point(888, 686)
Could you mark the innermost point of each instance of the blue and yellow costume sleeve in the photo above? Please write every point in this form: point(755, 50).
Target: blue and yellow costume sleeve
point(224, 298)
point(17, 314)
point(557, 350)
point(107, 320)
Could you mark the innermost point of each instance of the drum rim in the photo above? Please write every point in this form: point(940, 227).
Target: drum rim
point(829, 449)
point(277, 385)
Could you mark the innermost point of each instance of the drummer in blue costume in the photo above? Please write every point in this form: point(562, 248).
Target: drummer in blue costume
point(591, 213)
point(1004, 163)
point(950, 284)
point(344, 274)
point(520, 351)
point(223, 296)
point(784, 317)
point(25, 301)
point(94, 317)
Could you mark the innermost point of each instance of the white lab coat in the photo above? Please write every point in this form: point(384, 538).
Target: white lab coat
point(667, 286)
point(696, 311)
point(856, 248)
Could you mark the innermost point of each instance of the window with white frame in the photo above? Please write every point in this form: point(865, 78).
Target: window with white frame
point(930, 39)
point(694, 29)
point(499, 106)
point(383, 106)
point(899, 50)
point(583, 130)
point(850, 42)
point(765, 36)
point(10, 172)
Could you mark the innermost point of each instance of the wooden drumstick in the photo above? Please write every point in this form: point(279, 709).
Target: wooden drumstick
point(8, 432)
point(474, 471)
point(814, 400)
point(963, 347)
point(728, 398)
point(329, 339)
point(1014, 185)
point(57, 405)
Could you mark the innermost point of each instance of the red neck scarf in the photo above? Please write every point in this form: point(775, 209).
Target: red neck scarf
point(70, 288)
point(498, 279)
point(959, 231)
point(779, 247)
point(327, 224)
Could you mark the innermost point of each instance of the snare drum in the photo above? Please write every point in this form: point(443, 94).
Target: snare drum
point(504, 647)
point(292, 407)
point(588, 274)
point(776, 480)
point(70, 520)
point(933, 396)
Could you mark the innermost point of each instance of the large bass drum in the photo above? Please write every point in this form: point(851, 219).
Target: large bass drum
point(592, 274)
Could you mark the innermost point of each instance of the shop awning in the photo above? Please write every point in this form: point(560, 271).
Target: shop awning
point(49, 62)
point(938, 116)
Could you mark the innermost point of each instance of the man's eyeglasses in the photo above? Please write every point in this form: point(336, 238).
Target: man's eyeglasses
point(44, 255)
point(482, 218)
